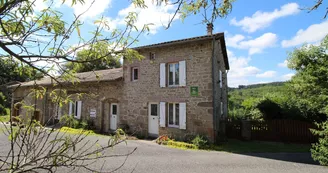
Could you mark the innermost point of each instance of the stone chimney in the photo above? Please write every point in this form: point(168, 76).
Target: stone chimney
point(209, 29)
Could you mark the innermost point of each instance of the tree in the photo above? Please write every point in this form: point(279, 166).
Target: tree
point(310, 86)
point(316, 5)
point(96, 51)
point(41, 39)
point(310, 83)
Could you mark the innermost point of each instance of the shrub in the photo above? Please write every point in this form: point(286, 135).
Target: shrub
point(162, 140)
point(319, 150)
point(200, 142)
point(3, 110)
point(182, 145)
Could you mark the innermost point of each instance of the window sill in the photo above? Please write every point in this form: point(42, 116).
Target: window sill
point(175, 86)
point(173, 126)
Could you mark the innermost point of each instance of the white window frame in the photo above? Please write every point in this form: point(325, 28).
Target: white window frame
point(133, 68)
point(174, 115)
point(220, 78)
point(168, 75)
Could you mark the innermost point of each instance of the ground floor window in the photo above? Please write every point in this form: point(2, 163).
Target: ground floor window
point(173, 110)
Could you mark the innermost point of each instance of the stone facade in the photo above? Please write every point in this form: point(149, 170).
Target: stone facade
point(137, 94)
point(204, 59)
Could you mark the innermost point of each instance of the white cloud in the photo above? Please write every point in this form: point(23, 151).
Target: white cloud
point(240, 70)
point(39, 5)
point(90, 8)
point(260, 20)
point(157, 15)
point(283, 64)
point(312, 34)
point(287, 76)
point(254, 46)
point(234, 40)
point(267, 74)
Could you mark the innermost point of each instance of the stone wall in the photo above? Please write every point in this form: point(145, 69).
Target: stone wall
point(94, 96)
point(137, 94)
point(133, 97)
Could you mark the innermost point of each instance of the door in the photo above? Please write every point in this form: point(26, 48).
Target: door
point(113, 116)
point(153, 112)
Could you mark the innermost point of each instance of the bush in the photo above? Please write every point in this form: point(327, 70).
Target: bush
point(200, 142)
point(3, 110)
point(162, 140)
point(71, 122)
point(319, 150)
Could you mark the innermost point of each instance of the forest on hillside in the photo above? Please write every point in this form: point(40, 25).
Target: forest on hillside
point(268, 101)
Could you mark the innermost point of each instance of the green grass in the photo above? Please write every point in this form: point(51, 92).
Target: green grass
point(5, 118)
point(236, 146)
point(180, 145)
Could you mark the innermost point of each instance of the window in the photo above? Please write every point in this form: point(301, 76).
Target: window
point(75, 109)
point(173, 76)
point(114, 111)
point(135, 73)
point(153, 110)
point(173, 114)
point(220, 78)
point(151, 55)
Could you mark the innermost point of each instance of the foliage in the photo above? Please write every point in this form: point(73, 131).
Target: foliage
point(3, 110)
point(12, 70)
point(200, 142)
point(267, 101)
point(319, 150)
point(41, 40)
point(165, 140)
point(70, 121)
point(77, 131)
point(93, 60)
point(214, 9)
point(162, 139)
point(310, 83)
point(181, 145)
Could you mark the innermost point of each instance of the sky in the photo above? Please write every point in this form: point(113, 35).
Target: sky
point(259, 34)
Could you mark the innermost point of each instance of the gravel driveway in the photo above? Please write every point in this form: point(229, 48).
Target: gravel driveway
point(150, 157)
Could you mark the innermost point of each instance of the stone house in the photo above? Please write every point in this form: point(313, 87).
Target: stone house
point(179, 89)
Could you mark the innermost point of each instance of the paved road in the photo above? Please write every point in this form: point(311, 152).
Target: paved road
point(150, 157)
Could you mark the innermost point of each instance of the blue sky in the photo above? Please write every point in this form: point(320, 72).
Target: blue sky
point(259, 34)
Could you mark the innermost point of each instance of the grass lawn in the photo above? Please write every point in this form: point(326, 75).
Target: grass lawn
point(237, 146)
point(5, 118)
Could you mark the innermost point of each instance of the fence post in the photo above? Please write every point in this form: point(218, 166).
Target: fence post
point(246, 129)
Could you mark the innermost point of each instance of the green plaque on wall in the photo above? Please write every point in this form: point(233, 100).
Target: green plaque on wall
point(194, 91)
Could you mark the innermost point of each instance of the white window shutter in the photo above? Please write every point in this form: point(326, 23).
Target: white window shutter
point(162, 75)
point(58, 111)
point(182, 114)
point(79, 109)
point(162, 114)
point(70, 110)
point(182, 73)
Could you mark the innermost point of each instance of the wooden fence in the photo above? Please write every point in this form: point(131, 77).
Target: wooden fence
point(273, 130)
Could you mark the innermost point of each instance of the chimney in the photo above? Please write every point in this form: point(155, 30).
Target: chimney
point(209, 29)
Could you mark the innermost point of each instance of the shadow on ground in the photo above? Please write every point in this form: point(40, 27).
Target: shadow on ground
point(298, 153)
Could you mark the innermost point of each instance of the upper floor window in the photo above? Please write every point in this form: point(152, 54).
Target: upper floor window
point(135, 73)
point(151, 55)
point(173, 76)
